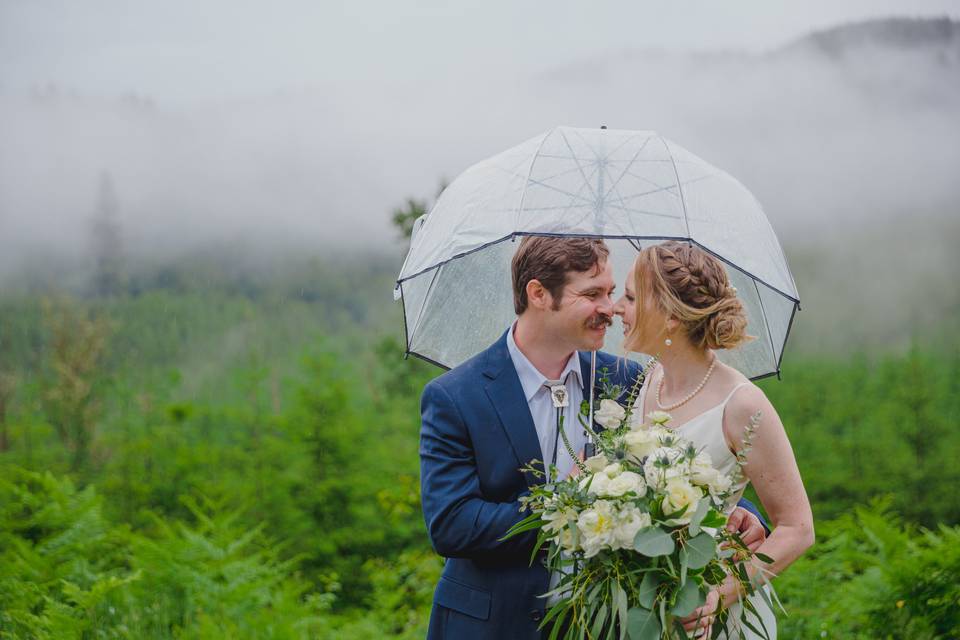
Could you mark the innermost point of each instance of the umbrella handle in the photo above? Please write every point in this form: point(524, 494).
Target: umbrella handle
point(590, 448)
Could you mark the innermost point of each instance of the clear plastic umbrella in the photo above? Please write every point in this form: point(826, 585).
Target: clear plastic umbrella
point(632, 188)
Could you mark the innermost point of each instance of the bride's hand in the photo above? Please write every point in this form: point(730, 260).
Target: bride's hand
point(748, 526)
point(699, 624)
point(575, 472)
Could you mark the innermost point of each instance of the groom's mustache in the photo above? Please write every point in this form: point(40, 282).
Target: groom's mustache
point(600, 320)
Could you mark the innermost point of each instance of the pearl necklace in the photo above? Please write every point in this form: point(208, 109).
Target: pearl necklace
point(689, 395)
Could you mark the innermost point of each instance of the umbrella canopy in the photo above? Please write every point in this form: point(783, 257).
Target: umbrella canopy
point(633, 188)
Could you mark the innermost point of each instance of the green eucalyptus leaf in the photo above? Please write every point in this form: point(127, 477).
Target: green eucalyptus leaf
point(662, 613)
point(599, 621)
point(648, 589)
point(702, 508)
point(699, 551)
point(653, 542)
point(643, 624)
point(594, 590)
point(689, 597)
point(621, 603)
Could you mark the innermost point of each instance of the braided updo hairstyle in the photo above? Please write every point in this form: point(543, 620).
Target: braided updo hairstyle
point(691, 285)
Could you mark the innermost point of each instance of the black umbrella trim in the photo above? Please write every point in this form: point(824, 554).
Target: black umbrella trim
point(601, 237)
point(634, 242)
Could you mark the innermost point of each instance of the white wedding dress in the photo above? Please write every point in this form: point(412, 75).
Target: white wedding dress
point(705, 431)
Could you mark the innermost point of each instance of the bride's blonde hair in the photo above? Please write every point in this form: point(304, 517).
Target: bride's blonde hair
point(691, 285)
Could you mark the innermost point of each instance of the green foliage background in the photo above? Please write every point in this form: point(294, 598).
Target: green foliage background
point(249, 466)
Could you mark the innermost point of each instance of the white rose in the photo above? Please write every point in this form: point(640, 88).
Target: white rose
point(596, 463)
point(596, 526)
point(659, 417)
point(720, 484)
point(612, 470)
point(680, 494)
point(626, 481)
point(641, 443)
point(629, 521)
point(610, 414)
point(597, 483)
point(702, 470)
point(600, 481)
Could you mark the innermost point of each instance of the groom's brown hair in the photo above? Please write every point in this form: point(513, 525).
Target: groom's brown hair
point(548, 260)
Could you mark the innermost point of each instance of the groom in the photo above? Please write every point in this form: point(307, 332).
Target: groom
point(485, 420)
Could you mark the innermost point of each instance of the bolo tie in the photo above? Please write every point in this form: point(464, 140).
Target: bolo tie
point(561, 400)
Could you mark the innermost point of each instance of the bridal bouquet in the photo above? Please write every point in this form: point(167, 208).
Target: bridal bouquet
point(638, 537)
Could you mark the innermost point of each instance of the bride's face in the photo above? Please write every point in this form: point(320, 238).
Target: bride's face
point(643, 312)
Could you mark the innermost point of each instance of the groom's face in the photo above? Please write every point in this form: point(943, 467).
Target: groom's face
point(583, 313)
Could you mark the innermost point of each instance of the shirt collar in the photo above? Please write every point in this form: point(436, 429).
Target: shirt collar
point(531, 380)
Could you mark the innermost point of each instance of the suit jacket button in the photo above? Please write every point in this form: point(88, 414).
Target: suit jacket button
point(536, 615)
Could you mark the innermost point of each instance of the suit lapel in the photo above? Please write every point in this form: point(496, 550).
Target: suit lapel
point(585, 372)
point(506, 396)
point(585, 376)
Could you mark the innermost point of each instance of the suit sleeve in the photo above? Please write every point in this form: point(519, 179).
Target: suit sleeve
point(749, 506)
point(459, 521)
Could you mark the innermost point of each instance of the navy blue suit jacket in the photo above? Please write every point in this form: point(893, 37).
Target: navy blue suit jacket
point(476, 435)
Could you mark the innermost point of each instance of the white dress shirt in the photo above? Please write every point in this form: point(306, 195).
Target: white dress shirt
point(542, 410)
point(545, 416)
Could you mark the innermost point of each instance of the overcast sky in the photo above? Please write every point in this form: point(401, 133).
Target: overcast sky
point(183, 51)
point(299, 119)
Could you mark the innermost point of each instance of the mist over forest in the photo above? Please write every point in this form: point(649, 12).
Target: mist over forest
point(849, 138)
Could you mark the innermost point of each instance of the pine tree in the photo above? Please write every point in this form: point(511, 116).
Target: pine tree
point(107, 241)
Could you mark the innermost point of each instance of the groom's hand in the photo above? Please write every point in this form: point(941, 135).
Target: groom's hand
point(748, 526)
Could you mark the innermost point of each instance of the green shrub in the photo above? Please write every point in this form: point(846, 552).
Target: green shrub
point(872, 576)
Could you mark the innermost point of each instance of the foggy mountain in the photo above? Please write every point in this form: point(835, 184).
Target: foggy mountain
point(849, 137)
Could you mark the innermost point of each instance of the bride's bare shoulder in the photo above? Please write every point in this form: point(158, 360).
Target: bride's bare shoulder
point(746, 401)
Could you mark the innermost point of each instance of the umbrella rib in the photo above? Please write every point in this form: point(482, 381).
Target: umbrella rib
point(793, 313)
point(573, 156)
point(763, 312)
point(648, 180)
point(557, 175)
point(556, 157)
point(644, 212)
point(523, 193)
point(628, 139)
point(423, 305)
point(588, 202)
point(683, 201)
point(659, 187)
point(614, 190)
point(558, 190)
point(626, 169)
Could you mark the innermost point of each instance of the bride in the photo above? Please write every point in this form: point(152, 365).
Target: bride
point(679, 305)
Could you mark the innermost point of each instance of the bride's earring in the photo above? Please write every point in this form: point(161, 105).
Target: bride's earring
point(668, 342)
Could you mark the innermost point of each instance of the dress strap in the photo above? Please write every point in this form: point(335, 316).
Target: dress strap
point(733, 391)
